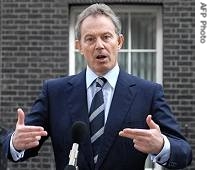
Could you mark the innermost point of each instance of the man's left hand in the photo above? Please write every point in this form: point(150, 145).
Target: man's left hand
point(148, 141)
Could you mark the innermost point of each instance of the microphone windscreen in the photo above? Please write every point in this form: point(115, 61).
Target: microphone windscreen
point(79, 131)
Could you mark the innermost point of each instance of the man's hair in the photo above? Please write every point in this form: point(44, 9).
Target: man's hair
point(95, 10)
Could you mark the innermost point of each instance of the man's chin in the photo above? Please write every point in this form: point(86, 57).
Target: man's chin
point(101, 71)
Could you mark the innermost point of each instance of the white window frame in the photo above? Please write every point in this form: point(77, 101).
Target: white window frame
point(127, 9)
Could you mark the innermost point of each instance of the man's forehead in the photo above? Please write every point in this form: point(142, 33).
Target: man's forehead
point(97, 19)
point(98, 33)
point(102, 25)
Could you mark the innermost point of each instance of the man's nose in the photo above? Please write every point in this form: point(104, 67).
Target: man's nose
point(99, 43)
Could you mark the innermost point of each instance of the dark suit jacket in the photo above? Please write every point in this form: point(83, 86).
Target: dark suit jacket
point(64, 101)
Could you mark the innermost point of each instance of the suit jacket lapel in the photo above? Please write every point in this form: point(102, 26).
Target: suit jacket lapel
point(77, 102)
point(122, 98)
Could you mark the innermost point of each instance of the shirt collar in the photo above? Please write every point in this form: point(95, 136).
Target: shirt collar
point(111, 76)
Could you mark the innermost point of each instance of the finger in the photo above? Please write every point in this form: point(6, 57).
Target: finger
point(38, 138)
point(35, 134)
point(21, 117)
point(28, 128)
point(139, 132)
point(139, 147)
point(32, 134)
point(133, 133)
point(151, 123)
point(26, 142)
point(29, 145)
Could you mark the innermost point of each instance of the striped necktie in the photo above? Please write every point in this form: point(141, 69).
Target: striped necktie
point(96, 117)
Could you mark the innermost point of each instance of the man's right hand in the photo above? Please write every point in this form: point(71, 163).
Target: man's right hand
point(26, 137)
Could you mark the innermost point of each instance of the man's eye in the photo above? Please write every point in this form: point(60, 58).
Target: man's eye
point(89, 39)
point(107, 37)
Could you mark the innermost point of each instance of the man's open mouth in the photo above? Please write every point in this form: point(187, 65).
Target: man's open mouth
point(100, 57)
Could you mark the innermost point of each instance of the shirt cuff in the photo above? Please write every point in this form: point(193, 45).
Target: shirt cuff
point(164, 154)
point(15, 154)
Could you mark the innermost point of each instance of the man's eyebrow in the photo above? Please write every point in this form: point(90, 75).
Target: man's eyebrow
point(89, 34)
point(92, 34)
point(107, 33)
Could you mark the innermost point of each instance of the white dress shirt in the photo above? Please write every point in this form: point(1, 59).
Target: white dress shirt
point(108, 88)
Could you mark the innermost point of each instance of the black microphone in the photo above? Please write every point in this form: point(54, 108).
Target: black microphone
point(79, 132)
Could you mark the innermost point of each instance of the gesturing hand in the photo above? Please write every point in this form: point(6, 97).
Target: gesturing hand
point(26, 137)
point(145, 140)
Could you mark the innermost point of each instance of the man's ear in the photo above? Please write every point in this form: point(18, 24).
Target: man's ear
point(78, 46)
point(120, 41)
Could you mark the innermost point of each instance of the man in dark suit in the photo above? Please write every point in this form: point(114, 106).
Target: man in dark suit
point(137, 121)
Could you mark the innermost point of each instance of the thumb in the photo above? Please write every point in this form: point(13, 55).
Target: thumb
point(21, 117)
point(151, 123)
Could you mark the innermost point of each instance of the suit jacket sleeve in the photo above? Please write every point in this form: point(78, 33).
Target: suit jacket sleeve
point(37, 117)
point(180, 151)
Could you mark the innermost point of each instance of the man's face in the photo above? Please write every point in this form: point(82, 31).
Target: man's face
point(99, 43)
